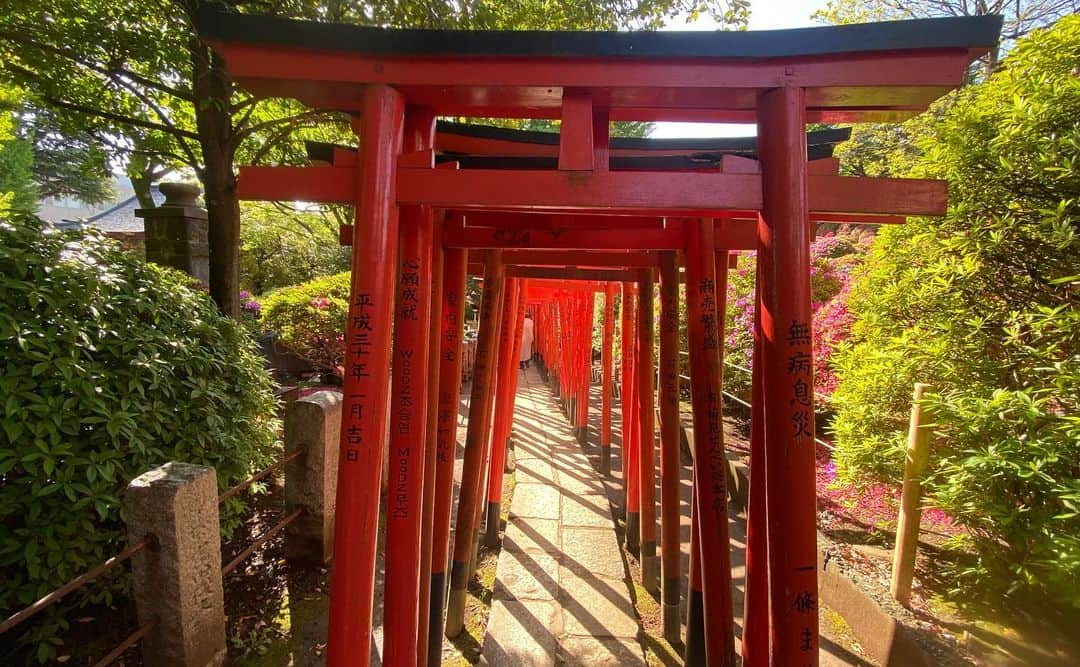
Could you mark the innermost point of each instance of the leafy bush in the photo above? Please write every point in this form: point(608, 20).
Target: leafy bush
point(983, 305)
point(110, 366)
point(310, 319)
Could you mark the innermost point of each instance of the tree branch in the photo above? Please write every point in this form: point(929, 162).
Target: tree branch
point(293, 121)
point(271, 142)
point(109, 72)
point(164, 117)
point(101, 113)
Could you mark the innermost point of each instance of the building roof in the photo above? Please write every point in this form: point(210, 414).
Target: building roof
point(119, 218)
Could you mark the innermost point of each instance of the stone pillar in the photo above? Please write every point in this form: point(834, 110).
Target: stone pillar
point(312, 424)
point(176, 231)
point(177, 581)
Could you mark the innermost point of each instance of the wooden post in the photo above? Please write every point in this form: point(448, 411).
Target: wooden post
point(507, 372)
point(606, 354)
point(427, 521)
point(455, 264)
point(630, 417)
point(907, 525)
point(755, 639)
point(650, 566)
point(476, 440)
point(508, 460)
point(367, 375)
point(588, 306)
point(694, 651)
point(669, 444)
point(784, 240)
point(710, 465)
point(409, 415)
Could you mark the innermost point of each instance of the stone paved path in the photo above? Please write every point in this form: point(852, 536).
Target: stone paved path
point(561, 587)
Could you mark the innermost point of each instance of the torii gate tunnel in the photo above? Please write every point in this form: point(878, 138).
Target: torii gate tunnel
point(553, 219)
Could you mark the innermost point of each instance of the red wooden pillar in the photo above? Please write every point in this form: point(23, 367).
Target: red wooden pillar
point(695, 604)
point(650, 565)
point(408, 414)
point(784, 241)
point(367, 366)
point(455, 273)
point(669, 444)
point(755, 639)
point(710, 486)
point(476, 440)
point(570, 389)
point(522, 306)
point(559, 348)
point(630, 432)
point(504, 405)
point(606, 355)
point(427, 520)
point(695, 625)
point(587, 307)
point(576, 347)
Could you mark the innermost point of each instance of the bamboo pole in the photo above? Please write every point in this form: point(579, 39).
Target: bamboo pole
point(907, 525)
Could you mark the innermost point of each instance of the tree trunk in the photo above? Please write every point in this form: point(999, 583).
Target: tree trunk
point(213, 119)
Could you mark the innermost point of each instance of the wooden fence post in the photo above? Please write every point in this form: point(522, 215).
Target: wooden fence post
point(907, 525)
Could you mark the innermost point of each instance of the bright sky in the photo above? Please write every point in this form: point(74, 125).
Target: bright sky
point(764, 15)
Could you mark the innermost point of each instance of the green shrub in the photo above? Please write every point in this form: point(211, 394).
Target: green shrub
point(310, 319)
point(109, 366)
point(983, 305)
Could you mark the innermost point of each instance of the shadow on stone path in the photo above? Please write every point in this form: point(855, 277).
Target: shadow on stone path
point(562, 591)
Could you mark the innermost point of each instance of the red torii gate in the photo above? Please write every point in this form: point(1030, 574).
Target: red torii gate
point(397, 81)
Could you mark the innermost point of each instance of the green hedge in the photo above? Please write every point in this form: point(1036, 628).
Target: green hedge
point(109, 366)
point(983, 305)
point(309, 319)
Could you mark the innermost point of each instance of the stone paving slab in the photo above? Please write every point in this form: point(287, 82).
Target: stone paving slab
point(591, 511)
point(596, 607)
point(527, 576)
point(526, 633)
point(532, 536)
point(594, 549)
point(561, 589)
point(535, 501)
point(534, 471)
point(576, 484)
point(599, 651)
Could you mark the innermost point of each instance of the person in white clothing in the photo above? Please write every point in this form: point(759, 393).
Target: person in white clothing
point(526, 341)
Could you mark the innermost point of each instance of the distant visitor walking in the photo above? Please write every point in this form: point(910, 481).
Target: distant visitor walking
point(526, 341)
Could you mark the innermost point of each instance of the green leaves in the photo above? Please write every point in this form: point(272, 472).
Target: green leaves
point(309, 319)
point(982, 304)
point(108, 367)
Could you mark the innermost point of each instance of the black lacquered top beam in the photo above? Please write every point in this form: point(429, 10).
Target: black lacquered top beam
point(979, 32)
